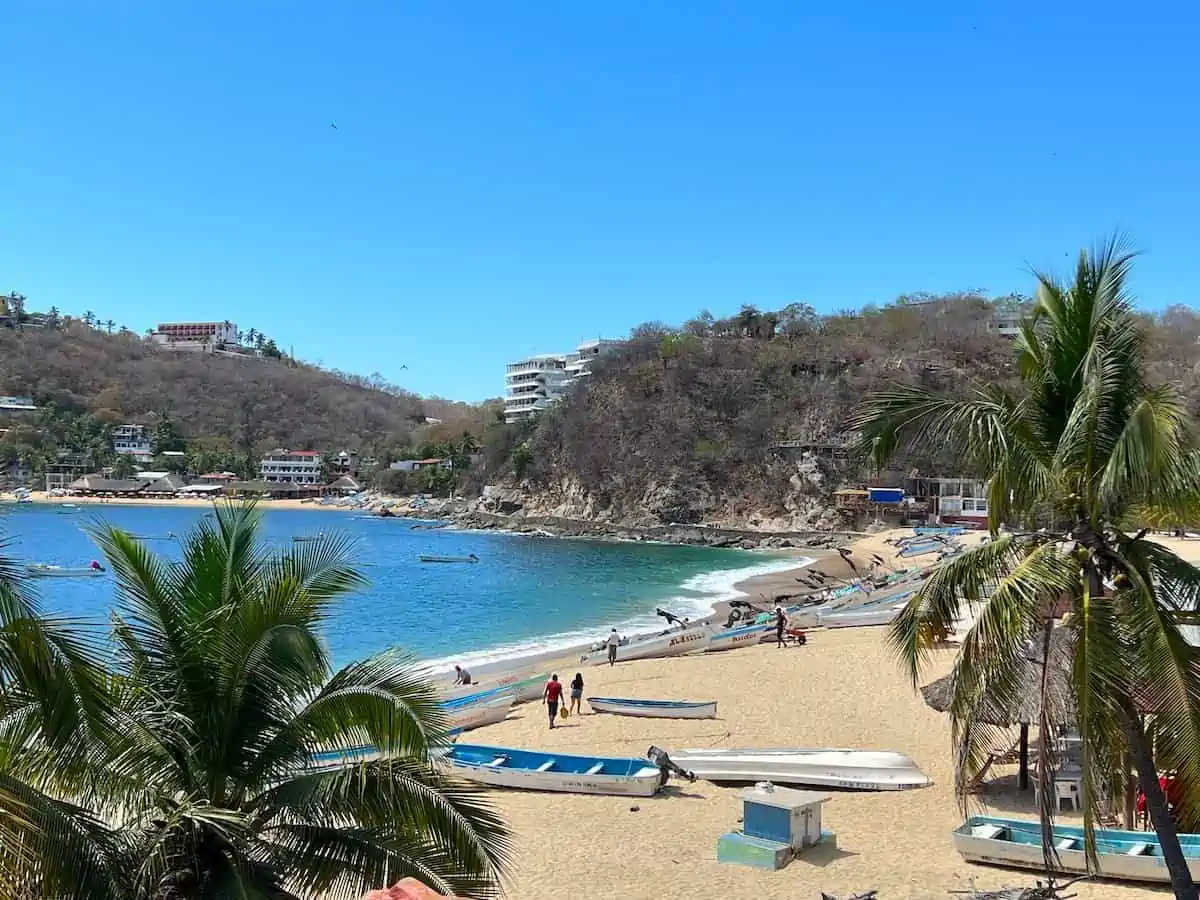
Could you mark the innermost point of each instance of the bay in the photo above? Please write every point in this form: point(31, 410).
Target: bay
point(527, 594)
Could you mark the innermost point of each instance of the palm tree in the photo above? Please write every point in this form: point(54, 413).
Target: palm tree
point(1087, 447)
point(225, 763)
point(109, 325)
point(88, 318)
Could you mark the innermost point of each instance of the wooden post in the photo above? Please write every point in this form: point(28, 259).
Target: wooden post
point(1023, 782)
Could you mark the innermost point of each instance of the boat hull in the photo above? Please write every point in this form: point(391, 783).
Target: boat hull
point(524, 688)
point(733, 638)
point(654, 709)
point(467, 716)
point(503, 767)
point(40, 572)
point(1019, 845)
point(679, 642)
point(858, 770)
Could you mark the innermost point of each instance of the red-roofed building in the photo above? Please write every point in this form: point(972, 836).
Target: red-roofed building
point(291, 466)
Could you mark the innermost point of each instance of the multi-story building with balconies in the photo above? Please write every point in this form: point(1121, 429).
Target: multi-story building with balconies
point(291, 466)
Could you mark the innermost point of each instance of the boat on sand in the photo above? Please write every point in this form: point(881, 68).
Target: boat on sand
point(857, 770)
point(1122, 855)
point(732, 638)
point(42, 570)
point(655, 709)
point(428, 558)
point(475, 711)
point(535, 770)
point(673, 642)
point(524, 688)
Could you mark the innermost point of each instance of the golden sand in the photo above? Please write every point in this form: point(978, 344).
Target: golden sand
point(843, 689)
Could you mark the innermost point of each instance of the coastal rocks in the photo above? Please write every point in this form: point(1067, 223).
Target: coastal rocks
point(501, 501)
point(680, 500)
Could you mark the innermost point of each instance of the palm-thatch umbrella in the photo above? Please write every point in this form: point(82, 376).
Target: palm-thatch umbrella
point(1025, 707)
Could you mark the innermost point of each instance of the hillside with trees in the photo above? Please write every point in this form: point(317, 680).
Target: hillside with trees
point(741, 420)
point(226, 408)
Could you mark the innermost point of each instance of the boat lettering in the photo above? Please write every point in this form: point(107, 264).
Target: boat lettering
point(684, 639)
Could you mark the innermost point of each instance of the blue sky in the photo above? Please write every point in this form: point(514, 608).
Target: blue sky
point(511, 178)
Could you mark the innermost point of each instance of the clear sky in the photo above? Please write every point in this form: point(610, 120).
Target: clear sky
point(514, 177)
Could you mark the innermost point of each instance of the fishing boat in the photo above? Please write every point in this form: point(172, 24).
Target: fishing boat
point(42, 570)
point(922, 548)
point(524, 688)
point(874, 612)
point(857, 770)
point(1122, 855)
point(474, 711)
point(947, 530)
point(674, 642)
point(655, 709)
point(427, 558)
point(534, 770)
point(732, 638)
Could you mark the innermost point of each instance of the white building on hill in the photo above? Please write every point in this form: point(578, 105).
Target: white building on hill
point(536, 382)
point(291, 466)
point(132, 440)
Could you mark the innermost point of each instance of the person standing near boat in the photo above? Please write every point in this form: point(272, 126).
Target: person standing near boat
point(614, 641)
point(780, 625)
point(576, 694)
point(551, 696)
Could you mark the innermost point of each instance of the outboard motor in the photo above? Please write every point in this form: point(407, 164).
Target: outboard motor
point(666, 767)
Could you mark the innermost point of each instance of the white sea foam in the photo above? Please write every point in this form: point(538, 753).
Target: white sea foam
point(703, 593)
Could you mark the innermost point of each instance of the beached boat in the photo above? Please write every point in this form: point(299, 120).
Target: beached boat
point(874, 612)
point(944, 530)
point(1122, 855)
point(523, 688)
point(924, 548)
point(474, 711)
point(732, 638)
point(41, 570)
point(674, 642)
point(655, 709)
point(543, 771)
point(427, 558)
point(858, 770)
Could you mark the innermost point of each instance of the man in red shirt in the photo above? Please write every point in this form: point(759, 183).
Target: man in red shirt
point(551, 697)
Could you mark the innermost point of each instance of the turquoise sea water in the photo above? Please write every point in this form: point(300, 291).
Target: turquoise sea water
point(526, 595)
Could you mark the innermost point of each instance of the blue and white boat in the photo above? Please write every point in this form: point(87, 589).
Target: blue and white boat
point(732, 638)
point(524, 688)
point(477, 710)
point(655, 709)
point(1122, 855)
point(922, 548)
point(947, 530)
point(534, 770)
point(874, 612)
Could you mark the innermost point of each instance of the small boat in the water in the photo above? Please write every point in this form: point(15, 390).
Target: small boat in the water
point(42, 570)
point(732, 638)
point(858, 770)
point(535, 770)
point(428, 558)
point(1122, 855)
point(655, 709)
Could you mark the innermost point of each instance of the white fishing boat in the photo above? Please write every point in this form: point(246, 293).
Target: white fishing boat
point(874, 612)
point(674, 642)
point(544, 771)
point(524, 688)
point(477, 713)
point(42, 570)
point(1121, 855)
point(858, 770)
point(655, 709)
point(732, 638)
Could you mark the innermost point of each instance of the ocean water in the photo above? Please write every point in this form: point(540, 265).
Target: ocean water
point(527, 595)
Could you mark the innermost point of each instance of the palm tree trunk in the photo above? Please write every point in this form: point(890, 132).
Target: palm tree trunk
point(1156, 804)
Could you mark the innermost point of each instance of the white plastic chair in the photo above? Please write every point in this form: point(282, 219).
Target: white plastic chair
point(1066, 790)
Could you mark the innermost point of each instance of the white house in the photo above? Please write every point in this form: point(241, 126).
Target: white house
point(536, 382)
point(291, 466)
point(132, 440)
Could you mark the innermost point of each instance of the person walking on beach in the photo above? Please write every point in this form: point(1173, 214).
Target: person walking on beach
point(614, 641)
point(576, 694)
point(551, 696)
point(461, 675)
point(780, 625)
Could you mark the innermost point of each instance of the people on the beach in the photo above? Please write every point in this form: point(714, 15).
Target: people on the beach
point(576, 694)
point(551, 696)
point(780, 625)
point(614, 641)
point(461, 675)
point(96, 566)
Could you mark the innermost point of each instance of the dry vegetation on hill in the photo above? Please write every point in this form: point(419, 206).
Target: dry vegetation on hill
point(682, 425)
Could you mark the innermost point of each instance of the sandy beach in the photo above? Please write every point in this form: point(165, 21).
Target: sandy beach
point(843, 689)
point(200, 502)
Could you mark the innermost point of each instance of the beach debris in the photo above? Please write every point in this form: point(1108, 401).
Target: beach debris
point(635, 809)
point(1048, 890)
point(868, 895)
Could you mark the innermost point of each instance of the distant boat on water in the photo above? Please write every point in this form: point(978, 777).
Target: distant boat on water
point(302, 538)
point(429, 558)
point(42, 570)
